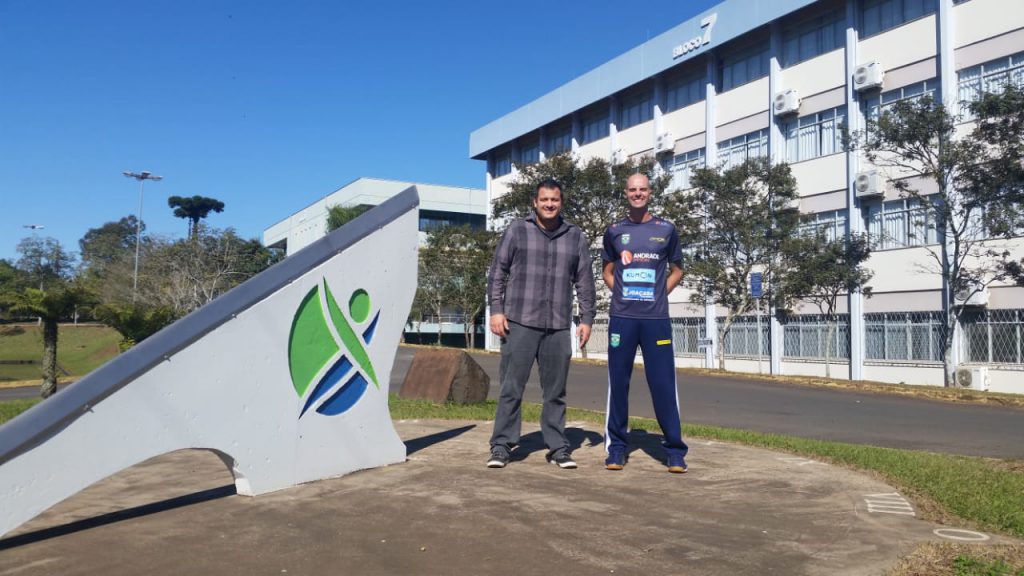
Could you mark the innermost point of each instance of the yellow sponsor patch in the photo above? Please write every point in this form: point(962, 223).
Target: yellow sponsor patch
point(664, 342)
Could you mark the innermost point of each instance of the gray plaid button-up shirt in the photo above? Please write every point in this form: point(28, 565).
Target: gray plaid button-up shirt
point(533, 274)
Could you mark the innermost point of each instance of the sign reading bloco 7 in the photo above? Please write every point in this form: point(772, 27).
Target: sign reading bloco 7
point(284, 381)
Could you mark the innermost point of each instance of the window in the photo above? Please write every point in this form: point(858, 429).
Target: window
point(743, 66)
point(559, 141)
point(595, 127)
point(814, 135)
point(881, 15)
point(995, 336)
point(431, 220)
point(682, 92)
point(635, 110)
point(899, 224)
point(804, 336)
point(904, 336)
point(735, 151)
point(990, 77)
point(875, 105)
point(813, 37)
point(530, 153)
point(502, 164)
point(832, 223)
point(681, 168)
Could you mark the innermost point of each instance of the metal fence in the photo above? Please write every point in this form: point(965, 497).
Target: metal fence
point(994, 336)
point(990, 337)
point(804, 336)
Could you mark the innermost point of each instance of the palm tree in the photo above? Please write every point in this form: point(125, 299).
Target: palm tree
point(50, 306)
point(194, 209)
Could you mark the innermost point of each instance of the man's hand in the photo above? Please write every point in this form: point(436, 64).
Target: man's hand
point(583, 333)
point(499, 325)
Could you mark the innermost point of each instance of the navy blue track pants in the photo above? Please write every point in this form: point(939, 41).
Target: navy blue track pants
point(654, 337)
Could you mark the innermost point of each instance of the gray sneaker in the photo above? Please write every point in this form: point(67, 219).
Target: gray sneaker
point(499, 457)
point(562, 460)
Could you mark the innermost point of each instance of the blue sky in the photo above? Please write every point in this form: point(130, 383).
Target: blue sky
point(268, 106)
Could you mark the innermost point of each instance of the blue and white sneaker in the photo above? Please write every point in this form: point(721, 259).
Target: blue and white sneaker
point(677, 464)
point(616, 460)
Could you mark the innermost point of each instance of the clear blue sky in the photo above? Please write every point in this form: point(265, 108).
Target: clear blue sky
point(270, 105)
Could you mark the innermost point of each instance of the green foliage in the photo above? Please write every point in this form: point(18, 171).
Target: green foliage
point(977, 185)
point(338, 215)
point(44, 261)
point(194, 209)
point(135, 322)
point(102, 247)
point(453, 274)
point(969, 566)
point(11, 408)
point(737, 220)
point(593, 190)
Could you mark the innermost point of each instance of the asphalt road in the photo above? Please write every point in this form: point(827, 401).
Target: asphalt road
point(768, 406)
point(804, 411)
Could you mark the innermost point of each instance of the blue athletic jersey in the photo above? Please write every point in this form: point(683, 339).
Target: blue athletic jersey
point(641, 254)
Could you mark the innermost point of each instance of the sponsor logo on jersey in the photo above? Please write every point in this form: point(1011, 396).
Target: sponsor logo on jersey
point(658, 239)
point(645, 257)
point(638, 293)
point(645, 275)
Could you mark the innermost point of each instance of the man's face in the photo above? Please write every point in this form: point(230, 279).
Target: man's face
point(548, 203)
point(638, 191)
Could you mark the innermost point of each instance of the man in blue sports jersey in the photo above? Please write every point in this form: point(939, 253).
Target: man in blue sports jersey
point(642, 264)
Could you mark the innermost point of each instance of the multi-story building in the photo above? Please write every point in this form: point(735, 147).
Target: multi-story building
point(439, 206)
point(779, 79)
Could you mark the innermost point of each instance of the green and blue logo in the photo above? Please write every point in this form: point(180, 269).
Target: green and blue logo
point(313, 346)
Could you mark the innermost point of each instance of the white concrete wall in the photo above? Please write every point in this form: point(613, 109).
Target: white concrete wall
point(978, 20)
point(906, 44)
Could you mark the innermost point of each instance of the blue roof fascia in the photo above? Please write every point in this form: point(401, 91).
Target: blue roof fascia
point(733, 19)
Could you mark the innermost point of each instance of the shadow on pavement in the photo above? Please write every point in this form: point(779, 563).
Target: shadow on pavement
point(534, 442)
point(417, 444)
point(118, 516)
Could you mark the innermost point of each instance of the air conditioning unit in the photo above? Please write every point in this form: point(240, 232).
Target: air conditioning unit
point(971, 294)
point(973, 377)
point(664, 142)
point(869, 184)
point(786, 102)
point(868, 76)
point(619, 156)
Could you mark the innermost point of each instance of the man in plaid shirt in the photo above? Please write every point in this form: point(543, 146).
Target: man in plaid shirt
point(539, 261)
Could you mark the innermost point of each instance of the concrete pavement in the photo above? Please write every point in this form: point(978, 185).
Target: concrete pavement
point(739, 510)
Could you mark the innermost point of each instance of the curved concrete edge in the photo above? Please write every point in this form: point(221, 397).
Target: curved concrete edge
point(221, 378)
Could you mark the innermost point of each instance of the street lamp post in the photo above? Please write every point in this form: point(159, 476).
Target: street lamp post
point(141, 177)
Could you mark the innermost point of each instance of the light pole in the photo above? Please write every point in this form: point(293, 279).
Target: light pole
point(141, 177)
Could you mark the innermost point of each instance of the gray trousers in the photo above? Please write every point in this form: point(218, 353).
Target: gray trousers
point(552, 349)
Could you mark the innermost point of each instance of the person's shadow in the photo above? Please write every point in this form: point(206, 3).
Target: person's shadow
point(534, 442)
point(649, 443)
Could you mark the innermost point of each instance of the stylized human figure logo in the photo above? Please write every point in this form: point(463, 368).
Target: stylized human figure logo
point(329, 365)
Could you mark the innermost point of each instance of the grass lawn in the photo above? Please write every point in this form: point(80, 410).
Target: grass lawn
point(80, 349)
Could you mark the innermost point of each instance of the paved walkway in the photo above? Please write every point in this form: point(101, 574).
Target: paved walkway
point(739, 510)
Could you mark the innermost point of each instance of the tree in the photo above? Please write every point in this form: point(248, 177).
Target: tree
point(977, 188)
point(102, 247)
point(593, 197)
point(338, 215)
point(44, 261)
point(736, 220)
point(823, 269)
point(454, 266)
point(46, 264)
point(135, 322)
point(194, 209)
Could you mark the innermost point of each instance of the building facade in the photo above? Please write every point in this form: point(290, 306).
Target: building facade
point(780, 79)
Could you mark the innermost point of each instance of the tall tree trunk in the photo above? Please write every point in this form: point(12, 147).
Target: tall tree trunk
point(49, 387)
point(829, 335)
